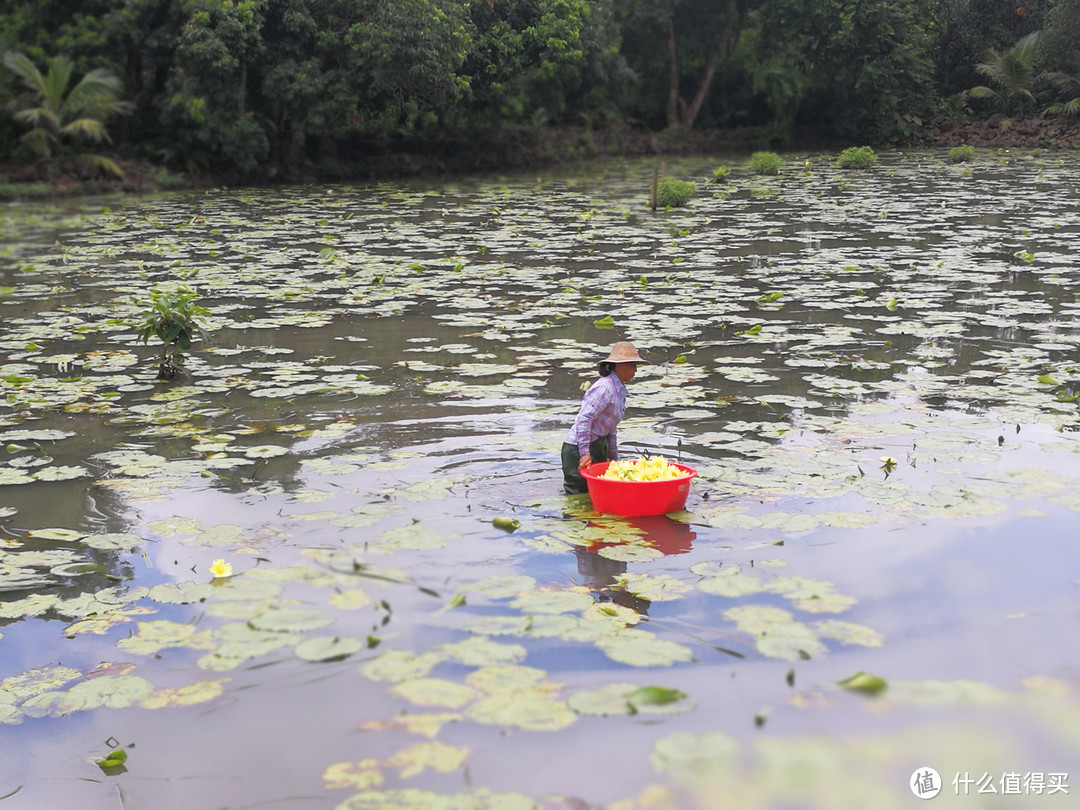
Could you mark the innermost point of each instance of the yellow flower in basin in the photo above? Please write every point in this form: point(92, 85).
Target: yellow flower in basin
point(653, 468)
point(220, 569)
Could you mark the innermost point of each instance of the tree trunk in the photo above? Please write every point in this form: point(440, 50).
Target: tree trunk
point(690, 113)
point(673, 78)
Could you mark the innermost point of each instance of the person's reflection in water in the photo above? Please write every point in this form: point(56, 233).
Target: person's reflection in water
point(599, 572)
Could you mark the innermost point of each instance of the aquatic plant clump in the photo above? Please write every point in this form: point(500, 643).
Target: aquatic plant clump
point(961, 154)
point(672, 193)
point(653, 468)
point(856, 157)
point(172, 317)
point(765, 163)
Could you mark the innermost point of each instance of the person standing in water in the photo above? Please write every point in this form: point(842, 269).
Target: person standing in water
point(593, 438)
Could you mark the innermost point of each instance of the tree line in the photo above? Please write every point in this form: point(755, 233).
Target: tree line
point(257, 88)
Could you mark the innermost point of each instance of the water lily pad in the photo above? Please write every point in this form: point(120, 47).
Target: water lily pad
point(708, 757)
point(400, 665)
point(290, 620)
point(181, 593)
point(508, 678)
point(190, 695)
point(64, 535)
point(113, 541)
point(525, 710)
point(641, 649)
point(350, 599)
point(435, 692)
point(154, 636)
point(38, 681)
point(553, 602)
point(481, 652)
point(654, 587)
point(776, 633)
point(630, 552)
point(628, 698)
point(422, 756)
point(500, 586)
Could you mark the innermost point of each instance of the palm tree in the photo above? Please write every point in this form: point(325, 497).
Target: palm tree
point(1012, 75)
point(62, 119)
point(1068, 85)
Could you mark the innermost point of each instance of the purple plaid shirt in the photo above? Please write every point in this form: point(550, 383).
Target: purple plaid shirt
point(602, 409)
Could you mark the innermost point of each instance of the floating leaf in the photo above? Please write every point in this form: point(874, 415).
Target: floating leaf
point(399, 665)
point(508, 678)
point(776, 633)
point(654, 587)
point(181, 593)
point(290, 620)
point(641, 649)
point(435, 756)
point(362, 775)
point(501, 586)
point(552, 602)
point(110, 542)
point(114, 759)
point(864, 682)
point(524, 710)
point(435, 692)
point(480, 652)
point(190, 695)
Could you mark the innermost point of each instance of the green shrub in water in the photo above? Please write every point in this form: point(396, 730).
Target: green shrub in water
point(172, 316)
point(672, 193)
point(720, 174)
point(765, 163)
point(959, 154)
point(856, 157)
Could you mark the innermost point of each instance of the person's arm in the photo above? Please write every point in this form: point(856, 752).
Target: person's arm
point(613, 444)
point(592, 405)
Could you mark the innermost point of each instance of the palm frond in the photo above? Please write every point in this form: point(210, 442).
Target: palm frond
point(89, 129)
point(56, 81)
point(97, 92)
point(107, 165)
point(983, 92)
point(40, 141)
point(38, 117)
point(1070, 109)
point(21, 66)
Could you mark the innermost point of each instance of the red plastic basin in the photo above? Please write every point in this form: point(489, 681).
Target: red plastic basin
point(637, 497)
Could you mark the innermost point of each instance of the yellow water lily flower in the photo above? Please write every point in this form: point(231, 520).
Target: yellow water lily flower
point(888, 464)
point(653, 468)
point(220, 569)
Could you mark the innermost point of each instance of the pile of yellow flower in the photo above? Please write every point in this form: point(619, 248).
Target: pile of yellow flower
point(653, 468)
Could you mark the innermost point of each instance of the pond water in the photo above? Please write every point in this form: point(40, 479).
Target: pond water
point(876, 573)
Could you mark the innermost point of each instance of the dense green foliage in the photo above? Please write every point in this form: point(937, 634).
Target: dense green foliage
point(856, 157)
point(60, 118)
point(264, 88)
point(172, 316)
point(720, 174)
point(673, 193)
point(961, 154)
point(765, 163)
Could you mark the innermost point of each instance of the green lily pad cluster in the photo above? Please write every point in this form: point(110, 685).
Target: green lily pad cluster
point(389, 368)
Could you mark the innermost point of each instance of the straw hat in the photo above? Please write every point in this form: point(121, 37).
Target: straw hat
point(623, 352)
